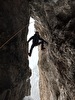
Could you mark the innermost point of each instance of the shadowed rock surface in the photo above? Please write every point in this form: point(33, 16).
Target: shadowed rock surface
point(56, 23)
point(14, 70)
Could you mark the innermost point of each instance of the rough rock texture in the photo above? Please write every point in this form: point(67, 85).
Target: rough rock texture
point(14, 70)
point(56, 23)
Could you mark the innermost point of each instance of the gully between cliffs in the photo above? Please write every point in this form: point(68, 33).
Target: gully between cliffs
point(33, 64)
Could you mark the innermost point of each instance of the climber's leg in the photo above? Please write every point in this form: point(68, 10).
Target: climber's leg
point(31, 50)
point(42, 45)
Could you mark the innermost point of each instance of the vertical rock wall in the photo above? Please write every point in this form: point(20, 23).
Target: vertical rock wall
point(56, 23)
point(14, 70)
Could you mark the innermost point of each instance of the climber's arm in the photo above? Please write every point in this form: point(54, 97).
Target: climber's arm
point(30, 39)
point(43, 40)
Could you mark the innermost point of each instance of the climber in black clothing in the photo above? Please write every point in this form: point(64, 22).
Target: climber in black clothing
point(37, 40)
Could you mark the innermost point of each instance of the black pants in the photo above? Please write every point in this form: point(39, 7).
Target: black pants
point(33, 45)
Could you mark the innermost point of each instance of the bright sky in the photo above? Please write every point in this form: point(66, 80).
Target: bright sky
point(34, 58)
point(33, 61)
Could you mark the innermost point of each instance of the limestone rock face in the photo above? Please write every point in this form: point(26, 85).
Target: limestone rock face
point(14, 70)
point(55, 20)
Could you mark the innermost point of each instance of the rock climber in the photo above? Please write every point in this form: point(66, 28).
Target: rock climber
point(37, 40)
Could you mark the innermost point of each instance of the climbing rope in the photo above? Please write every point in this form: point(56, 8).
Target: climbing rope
point(13, 36)
point(16, 34)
